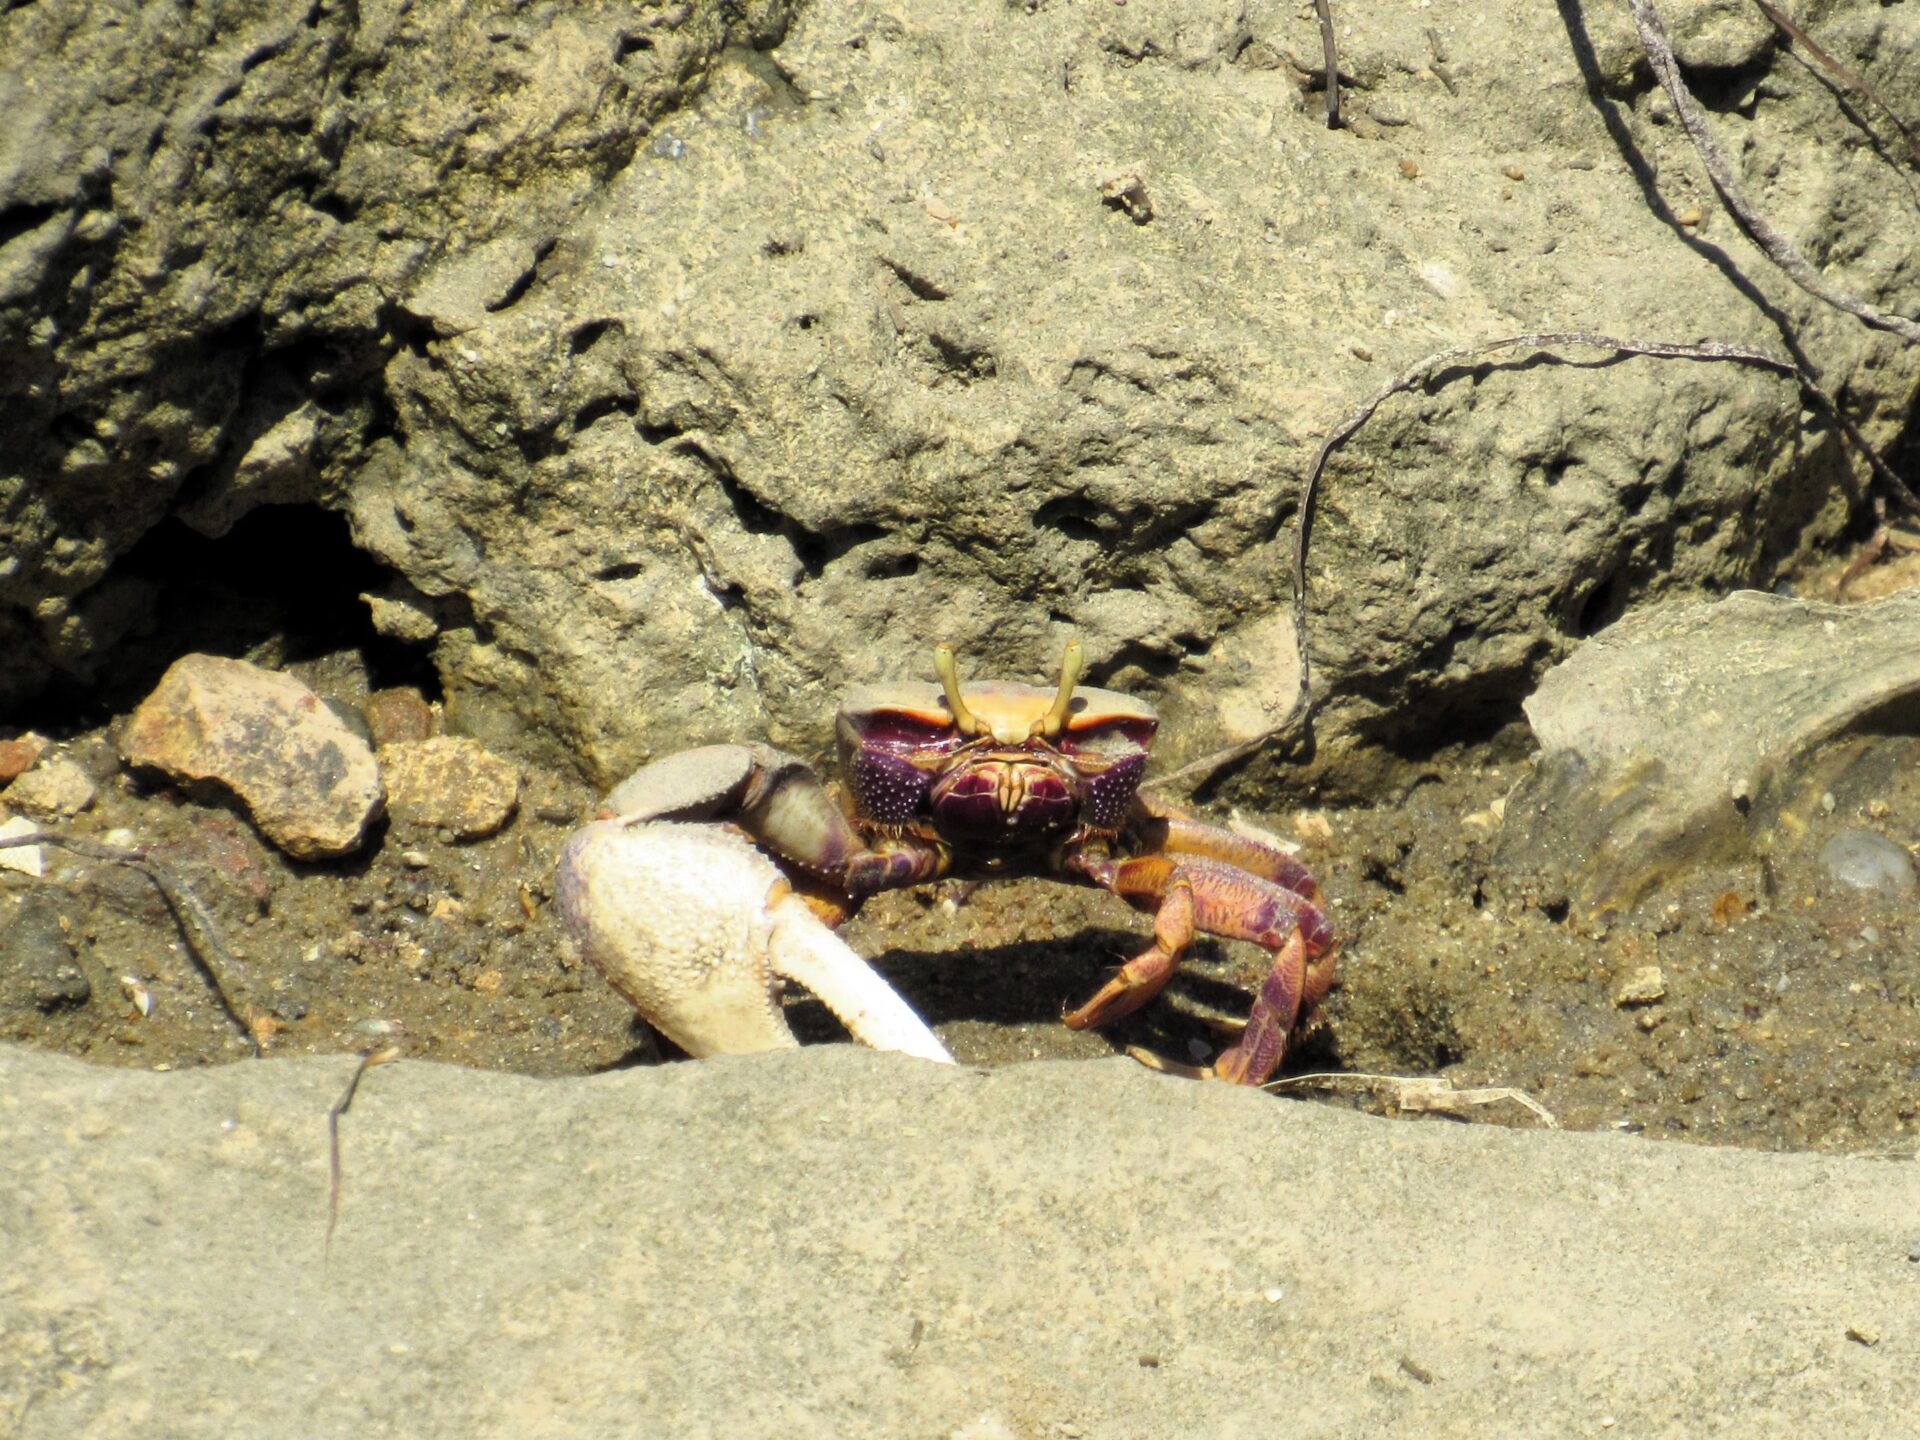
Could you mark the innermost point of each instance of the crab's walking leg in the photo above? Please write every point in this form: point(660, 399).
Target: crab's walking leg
point(1198, 894)
point(1173, 832)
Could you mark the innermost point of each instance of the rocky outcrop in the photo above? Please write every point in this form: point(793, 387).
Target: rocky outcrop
point(210, 219)
point(681, 385)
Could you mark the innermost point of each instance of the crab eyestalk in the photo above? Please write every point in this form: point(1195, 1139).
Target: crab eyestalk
point(1054, 721)
point(964, 719)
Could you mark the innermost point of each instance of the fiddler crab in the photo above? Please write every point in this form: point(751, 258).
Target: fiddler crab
point(713, 874)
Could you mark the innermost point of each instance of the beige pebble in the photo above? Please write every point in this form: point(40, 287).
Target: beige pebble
point(1645, 986)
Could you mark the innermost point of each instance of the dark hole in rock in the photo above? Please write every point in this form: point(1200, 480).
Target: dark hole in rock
point(282, 586)
point(1604, 604)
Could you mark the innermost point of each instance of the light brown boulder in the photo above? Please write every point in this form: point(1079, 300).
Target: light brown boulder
point(309, 783)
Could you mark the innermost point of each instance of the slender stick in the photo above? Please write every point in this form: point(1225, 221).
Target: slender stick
point(1779, 249)
point(1845, 78)
point(1330, 57)
point(371, 1058)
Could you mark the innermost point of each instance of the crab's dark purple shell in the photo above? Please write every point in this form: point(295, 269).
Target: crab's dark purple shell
point(1106, 794)
point(888, 788)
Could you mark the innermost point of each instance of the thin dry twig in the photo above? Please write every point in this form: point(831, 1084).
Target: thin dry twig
point(195, 921)
point(1331, 59)
point(1416, 1094)
point(368, 1060)
point(1875, 547)
point(1779, 249)
point(1841, 75)
point(1424, 370)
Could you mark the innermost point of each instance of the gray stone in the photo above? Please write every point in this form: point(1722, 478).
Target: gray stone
point(37, 954)
point(55, 789)
point(1867, 860)
point(834, 1242)
point(1661, 737)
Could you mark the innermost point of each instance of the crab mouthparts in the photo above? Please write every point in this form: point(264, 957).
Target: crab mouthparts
point(997, 802)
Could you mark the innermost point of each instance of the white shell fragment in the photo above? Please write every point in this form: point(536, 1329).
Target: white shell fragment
point(27, 859)
point(695, 926)
point(138, 993)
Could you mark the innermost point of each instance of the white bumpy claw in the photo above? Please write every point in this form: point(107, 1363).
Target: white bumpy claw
point(696, 928)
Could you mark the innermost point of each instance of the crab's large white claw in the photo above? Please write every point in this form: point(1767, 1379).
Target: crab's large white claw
point(693, 925)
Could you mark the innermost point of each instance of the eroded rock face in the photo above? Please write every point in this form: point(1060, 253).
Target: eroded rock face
point(682, 385)
point(859, 354)
point(309, 782)
point(211, 217)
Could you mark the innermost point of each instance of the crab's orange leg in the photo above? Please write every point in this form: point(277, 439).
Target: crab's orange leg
point(1146, 975)
point(1171, 831)
point(1199, 894)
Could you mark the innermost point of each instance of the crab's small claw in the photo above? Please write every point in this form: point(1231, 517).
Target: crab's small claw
point(775, 797)
point(693, 925)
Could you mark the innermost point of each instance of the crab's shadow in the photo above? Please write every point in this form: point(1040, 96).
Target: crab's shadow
point(1025, 986)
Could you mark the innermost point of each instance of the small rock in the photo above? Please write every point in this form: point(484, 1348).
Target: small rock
point(1127, 193)
point(39, 956)
point(19, 755)
point(1861, 859)
point(449, 783)
point(138, 993)
point(1863, 1335)
point(1313, 825)
point(1645, 986)
point(309, 782)
point(66, 988)
point(55, 789)
point(401, 713)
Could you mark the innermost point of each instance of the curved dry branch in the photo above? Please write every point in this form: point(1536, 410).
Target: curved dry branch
point(1779, 249)
point(1544, 341)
